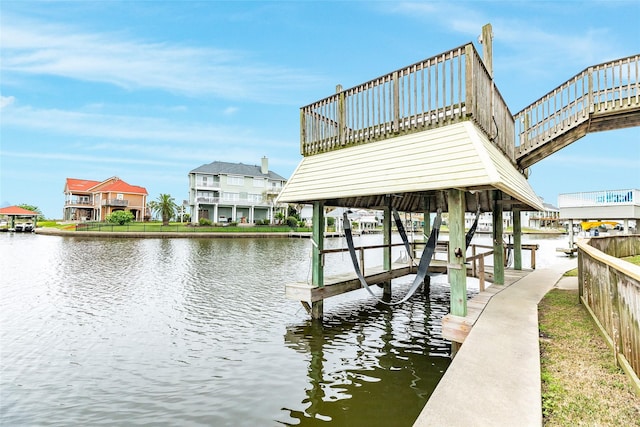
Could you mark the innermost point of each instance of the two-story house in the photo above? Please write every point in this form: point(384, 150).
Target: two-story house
point(234, 192)
point(87, 200)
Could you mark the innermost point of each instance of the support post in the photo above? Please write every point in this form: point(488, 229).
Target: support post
point(456, 267)
point(517, 239)
point(317, 241)
point(498, 239)
point(342, 116)
point(386, 251)
point(571, 234)
point(487, 48)
point(426, 213)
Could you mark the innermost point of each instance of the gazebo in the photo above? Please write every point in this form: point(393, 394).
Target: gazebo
point(14, 212)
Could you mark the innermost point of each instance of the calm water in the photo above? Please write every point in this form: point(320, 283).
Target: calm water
point(197, 332)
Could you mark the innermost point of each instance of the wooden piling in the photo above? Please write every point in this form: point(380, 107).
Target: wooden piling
point(517, 239)
point(457, 247)
point(317, 278)
point(386, 251)
point(498, 242)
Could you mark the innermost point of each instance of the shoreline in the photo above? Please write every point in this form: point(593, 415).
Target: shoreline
point(48, 231)
point(169, 234)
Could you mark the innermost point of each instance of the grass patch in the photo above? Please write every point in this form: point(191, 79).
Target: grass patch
point(154, 227)
point(52, 224)
point(581, 384)
point(633, 259)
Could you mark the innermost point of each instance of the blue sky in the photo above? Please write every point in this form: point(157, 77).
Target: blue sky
point(149, 90)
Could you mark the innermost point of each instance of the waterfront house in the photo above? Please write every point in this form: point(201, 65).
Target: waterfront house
point(88, 200)
point(234, 192)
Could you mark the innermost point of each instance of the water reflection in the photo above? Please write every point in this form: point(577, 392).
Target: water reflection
point(363, 359)
point(196, 332)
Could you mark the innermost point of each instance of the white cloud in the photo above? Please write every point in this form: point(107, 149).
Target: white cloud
point(156, 130)
point(229, 111)
point(528, 46)
point(37, 48)
point(5, 101)
point(568, 161)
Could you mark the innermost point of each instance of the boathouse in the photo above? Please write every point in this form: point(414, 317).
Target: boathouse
point(437, 136)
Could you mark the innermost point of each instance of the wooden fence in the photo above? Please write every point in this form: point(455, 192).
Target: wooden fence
point(610, 289)
point(448, 88)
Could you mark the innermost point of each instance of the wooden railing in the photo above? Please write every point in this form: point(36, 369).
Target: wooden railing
point(115, 202)
point(610, 289)
point(476, 259)
point(448, 88)
point(600, 89)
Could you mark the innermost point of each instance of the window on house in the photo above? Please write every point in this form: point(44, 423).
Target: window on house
point(119, 196)
point(227, 196)
point(258, 182)
point(235, 180)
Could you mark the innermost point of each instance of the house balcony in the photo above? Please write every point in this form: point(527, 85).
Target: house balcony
point(273, 190)
point(77, 202)
point(115, 202)
point(600, 205)
point(208, 184)
point(237, 202)
point(208, 200)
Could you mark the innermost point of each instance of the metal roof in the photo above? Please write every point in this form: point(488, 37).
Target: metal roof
point(217, 168)
point(411, 167)
point(17, 211)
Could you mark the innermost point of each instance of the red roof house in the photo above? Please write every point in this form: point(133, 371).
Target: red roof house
point(88, 200)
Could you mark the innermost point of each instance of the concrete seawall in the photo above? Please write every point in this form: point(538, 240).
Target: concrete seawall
point(167, 234)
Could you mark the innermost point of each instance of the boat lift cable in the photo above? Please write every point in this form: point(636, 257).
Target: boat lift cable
point(472, 230)
point(405, 240)
point(423, 266)
point(403, 233)
point(509, 258)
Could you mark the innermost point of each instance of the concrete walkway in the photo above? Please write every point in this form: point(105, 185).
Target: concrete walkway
point(494, 380)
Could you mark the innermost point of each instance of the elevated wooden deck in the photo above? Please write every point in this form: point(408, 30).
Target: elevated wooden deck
point(448, 88)
point(456, 86)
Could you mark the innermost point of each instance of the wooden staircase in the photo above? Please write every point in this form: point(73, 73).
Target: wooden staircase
point(602, 97)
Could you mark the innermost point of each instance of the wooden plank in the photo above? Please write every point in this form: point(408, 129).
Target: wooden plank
point(455, 328)
point(345, 282)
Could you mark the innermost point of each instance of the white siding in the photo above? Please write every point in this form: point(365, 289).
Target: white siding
point(454, 156)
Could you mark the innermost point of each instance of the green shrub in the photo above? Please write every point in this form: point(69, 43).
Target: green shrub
point(120, 217)
point(204, 221)
point(292, 221)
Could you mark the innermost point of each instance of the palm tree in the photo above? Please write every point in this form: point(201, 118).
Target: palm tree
point(164, 205)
